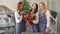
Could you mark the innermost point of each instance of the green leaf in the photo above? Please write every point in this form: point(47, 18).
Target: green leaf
point(26, 5)
point(53, 13)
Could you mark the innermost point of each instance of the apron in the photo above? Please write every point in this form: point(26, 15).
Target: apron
point(20, 27)
point(42, 22)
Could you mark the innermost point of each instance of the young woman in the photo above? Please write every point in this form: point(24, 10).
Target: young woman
point(44, 18)
point(34, 15)
point(20, 22)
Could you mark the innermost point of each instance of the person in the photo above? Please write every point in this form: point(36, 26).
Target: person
point(34, 14)
point(19, 18)
point(44, 18)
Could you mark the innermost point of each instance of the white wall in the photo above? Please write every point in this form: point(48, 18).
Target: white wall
point(51, 4)
point(12, 3)
point(9, 3)
point(58, 10)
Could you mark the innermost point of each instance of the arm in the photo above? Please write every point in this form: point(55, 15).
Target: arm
point(37, 18)
point(48, 18)
point(17, 18)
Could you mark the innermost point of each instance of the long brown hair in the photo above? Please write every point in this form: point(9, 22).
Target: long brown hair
point(19, 5)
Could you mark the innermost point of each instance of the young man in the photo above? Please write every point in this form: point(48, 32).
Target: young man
point(19, 18)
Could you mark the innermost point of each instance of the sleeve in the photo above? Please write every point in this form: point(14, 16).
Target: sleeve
point(37, 18)
point(48, 18)
point(17, 18)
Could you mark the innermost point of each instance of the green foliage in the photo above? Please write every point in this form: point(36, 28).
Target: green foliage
point(53, 13)
point(26, 5)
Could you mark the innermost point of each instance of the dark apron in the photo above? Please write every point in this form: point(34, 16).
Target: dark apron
point(42, 22)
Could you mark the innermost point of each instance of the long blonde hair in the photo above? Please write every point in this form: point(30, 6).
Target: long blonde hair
point(42, 3)
point(44, 6)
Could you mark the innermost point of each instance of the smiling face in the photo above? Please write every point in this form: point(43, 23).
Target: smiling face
point(20, 7)
point(42, 6)
point(34, 6)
